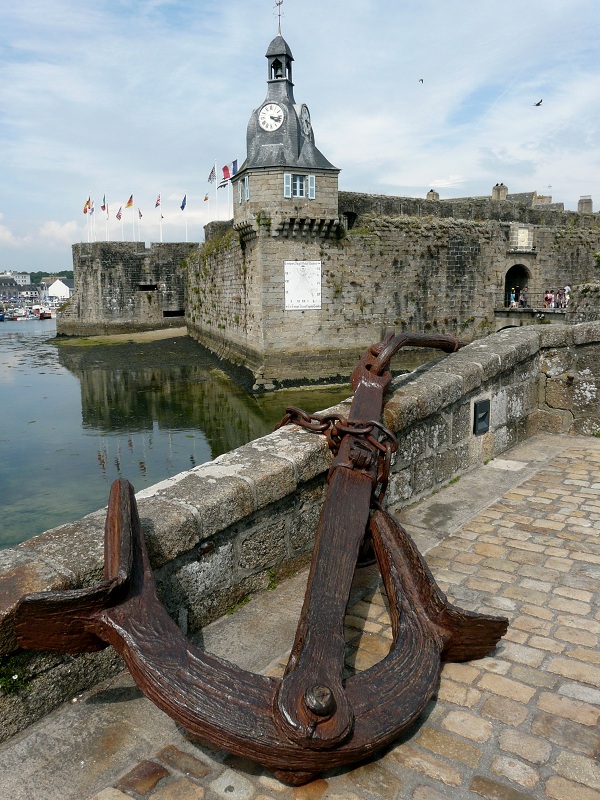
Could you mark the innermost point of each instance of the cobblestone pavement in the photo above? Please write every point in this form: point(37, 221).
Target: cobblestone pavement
point(518, 725)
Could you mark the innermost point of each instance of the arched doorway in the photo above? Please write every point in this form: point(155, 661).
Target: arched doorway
point(517, 278)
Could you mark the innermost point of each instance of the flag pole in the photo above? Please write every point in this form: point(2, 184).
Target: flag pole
point(185, 214)
point(160, 216)
point(133, 217)
point(216, 197)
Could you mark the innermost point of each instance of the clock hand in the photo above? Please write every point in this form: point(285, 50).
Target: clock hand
point(277, 119)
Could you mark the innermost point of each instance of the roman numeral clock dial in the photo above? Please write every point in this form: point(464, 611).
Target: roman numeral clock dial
point(270, 117)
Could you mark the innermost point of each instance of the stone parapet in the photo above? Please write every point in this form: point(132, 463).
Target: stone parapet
point(226, 529)
point(476, 208)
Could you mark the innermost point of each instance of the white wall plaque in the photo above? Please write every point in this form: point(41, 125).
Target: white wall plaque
point(302, 285)
point(523, 238)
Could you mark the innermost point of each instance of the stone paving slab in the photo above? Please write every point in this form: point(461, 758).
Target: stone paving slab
point(520, 538)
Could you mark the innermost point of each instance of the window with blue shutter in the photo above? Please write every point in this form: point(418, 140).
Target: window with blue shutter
point(239, 191)
point(311, 187)
point(247, 186)
point(287, 185)
point(298, 185)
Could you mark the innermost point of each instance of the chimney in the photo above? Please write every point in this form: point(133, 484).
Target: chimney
point(585, 204)
point(499, 193)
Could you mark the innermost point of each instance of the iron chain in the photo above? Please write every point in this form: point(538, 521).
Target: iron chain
point(334, 427)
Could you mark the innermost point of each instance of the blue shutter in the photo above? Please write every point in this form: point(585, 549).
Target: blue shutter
point(247, 186)
point(287, 185)
point(239, 191)
point(311, 187)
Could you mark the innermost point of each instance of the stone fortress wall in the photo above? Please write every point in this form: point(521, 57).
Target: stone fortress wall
point(230, 527)
point(124, 286)
point(399, 263)
point(395, 263)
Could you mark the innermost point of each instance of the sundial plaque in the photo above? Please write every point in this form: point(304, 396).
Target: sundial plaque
point(302, 285)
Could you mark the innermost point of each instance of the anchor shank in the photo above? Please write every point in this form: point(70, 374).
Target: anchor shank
point(318, 654)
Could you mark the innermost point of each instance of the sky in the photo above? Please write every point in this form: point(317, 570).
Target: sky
point(142, 97)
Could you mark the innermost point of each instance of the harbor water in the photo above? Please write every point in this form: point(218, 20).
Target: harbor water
point(76, 415)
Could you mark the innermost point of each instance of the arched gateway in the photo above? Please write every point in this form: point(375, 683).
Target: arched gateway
point(517, 278)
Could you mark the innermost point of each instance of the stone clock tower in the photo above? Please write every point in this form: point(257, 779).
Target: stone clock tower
point(285, 184)
point(266, 297)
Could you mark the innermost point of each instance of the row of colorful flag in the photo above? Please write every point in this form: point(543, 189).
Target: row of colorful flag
point(229, 170)
point(88, 207)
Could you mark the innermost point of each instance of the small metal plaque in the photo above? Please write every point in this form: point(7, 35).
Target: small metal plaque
point(302, 285)
point(481, 417)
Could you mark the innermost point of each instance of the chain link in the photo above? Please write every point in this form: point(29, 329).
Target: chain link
point(334, 427)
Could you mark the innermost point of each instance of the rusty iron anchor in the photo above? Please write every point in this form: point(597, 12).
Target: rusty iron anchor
point(312, 719)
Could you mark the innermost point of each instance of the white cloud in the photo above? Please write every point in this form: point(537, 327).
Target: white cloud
point(450, 182)
point(58, 233)
point(7, 237)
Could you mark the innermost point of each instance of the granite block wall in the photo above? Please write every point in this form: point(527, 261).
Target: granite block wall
point(124, 286)
point(402, 273)
point(472, 208)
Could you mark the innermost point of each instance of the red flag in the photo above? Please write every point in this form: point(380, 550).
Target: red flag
point(156, 205)
point(119, 214)
point(129, 203)
point(87, 206)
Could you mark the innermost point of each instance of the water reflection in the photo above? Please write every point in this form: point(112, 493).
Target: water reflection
point(78, 417)
point(175, 399)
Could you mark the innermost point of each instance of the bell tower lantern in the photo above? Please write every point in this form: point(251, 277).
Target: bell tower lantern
point(280, 63)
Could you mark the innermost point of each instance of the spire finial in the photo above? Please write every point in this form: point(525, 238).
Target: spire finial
point(278, 5)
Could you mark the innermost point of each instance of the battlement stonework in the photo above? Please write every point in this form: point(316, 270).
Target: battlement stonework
point(479, 208)
point(123, 286)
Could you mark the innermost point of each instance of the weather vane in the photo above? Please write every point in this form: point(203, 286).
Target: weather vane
point(278, 5)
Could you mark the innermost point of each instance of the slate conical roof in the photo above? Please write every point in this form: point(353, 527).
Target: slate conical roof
point(279, 47)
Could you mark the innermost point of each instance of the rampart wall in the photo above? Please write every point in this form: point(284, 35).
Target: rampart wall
point(403, 263)
point(124, 286)
point(478, 208)
point(230, 527)
point(391, 270)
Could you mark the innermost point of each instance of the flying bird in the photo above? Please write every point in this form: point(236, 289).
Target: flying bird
point(538, 104)
point(420, 80)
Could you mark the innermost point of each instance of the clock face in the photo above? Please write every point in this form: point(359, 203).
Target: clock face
point(270, 117)
point(305, 120)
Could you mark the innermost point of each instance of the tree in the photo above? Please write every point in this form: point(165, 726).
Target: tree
point(36, 277)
